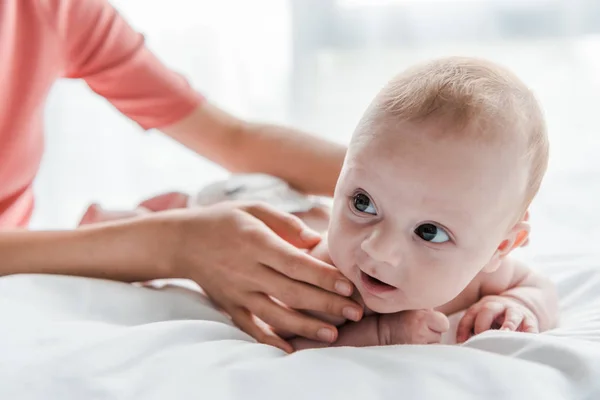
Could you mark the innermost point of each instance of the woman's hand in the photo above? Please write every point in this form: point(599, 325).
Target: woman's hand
point(248, 258)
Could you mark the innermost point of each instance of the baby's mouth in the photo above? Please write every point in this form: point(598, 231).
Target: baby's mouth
point(374, 285)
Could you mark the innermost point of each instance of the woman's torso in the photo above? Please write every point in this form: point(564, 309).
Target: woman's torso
point(31, 62)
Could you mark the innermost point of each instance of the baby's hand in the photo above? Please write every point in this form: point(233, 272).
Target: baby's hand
point(413, 327)
point(496, 312)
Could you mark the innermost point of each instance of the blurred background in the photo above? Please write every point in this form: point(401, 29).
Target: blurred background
point(316, 64)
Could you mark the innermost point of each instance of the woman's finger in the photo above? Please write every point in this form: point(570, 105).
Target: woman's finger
point(243, 319)
point(488, 313)
point(512, 319)
point(288, 320)
point(302, 296)
point(287, 226)
point(300, 266)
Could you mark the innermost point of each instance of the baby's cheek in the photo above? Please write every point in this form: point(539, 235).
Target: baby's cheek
point(340, 251)
point(432, 292)
point(451, 284)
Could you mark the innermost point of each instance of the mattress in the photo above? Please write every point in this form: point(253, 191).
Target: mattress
point(78, 338)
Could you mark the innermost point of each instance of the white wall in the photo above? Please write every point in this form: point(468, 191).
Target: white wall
point(238, 52)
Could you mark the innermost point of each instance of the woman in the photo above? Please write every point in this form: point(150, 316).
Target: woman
point(239, 253)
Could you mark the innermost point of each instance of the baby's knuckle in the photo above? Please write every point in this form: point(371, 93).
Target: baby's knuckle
point(444, 325)
point(435, 316)
point(421, 337)
point(473, 310)
point(420, 316)
point(490, 306)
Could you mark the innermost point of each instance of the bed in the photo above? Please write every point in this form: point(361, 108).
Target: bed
point(76, 338)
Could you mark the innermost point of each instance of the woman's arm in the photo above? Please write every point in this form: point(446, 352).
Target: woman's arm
point(242, 254)
point(127, 251)
point(308, 163)
point(101, 48)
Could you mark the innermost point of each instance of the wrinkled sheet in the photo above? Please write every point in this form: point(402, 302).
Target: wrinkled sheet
point(75, 338)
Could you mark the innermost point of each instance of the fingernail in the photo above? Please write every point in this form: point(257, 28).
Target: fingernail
point(344, 288)
point(351, 313)
point(309, 235)
point(325, 335)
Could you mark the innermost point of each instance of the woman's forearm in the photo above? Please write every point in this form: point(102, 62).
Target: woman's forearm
point(310, 164)
point(124, 251)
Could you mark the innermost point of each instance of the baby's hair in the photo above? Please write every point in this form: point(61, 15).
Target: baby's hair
point(468, 92)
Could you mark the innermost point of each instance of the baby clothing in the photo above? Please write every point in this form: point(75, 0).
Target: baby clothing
point(255, 187)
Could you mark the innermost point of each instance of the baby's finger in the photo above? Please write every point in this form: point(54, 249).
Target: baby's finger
point(465, 325)
point(529, 324)
point(245, 321)
point(438, 322)
point(488, 314)
point(512, 319)
point(434, 338)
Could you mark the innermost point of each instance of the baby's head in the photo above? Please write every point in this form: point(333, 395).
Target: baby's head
point(436, 183)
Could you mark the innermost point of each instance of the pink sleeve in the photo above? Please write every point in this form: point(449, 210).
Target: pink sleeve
point(103, 49)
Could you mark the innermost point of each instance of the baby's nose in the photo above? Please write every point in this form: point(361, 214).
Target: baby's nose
point(384, 247)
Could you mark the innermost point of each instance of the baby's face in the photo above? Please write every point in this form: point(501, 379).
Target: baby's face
point(415, 219)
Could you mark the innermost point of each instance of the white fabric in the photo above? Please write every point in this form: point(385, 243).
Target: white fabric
point(254, 187)
point(73, 338)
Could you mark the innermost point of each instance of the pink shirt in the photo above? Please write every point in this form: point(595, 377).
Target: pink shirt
point(43, 40)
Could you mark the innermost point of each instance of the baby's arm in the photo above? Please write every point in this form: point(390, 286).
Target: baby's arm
point(406, 327)
point(513, 298)
point(531, 289)
point(363, 333)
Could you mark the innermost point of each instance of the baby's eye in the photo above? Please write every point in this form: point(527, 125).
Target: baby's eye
point(432, 233)
point(362, 203)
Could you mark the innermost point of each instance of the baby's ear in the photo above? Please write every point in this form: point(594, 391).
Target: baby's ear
point(517, 237)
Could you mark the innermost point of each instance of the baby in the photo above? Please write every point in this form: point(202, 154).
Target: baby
point(431, 201)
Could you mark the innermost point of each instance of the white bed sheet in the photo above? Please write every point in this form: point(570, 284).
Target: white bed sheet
point(73, 338)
